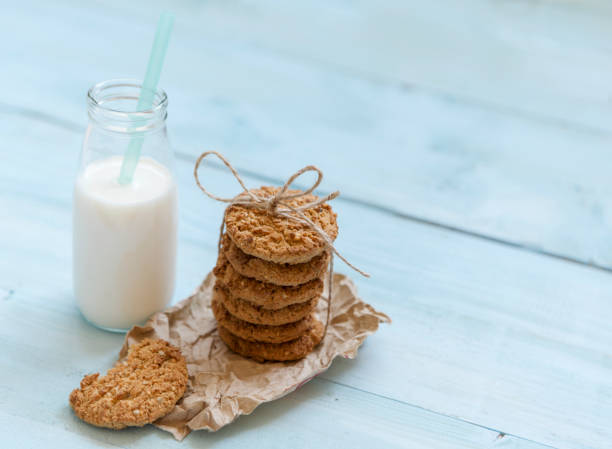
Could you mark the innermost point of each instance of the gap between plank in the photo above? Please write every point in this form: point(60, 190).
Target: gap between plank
point(400, 84)
point(40, 116)
point(500, 433)
point(409, 217)
point(36, 115)
point(441, 93)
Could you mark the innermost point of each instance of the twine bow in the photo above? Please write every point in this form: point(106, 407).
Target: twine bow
point(278, 204)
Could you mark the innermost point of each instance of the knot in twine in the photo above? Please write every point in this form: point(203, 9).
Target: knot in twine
point(278, 204)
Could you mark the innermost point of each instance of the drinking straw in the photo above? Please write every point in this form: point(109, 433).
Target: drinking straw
point(147, 92)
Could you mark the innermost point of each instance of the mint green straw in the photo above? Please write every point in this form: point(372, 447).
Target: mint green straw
point(147, 92)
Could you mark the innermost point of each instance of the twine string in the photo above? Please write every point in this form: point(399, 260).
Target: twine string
point(278, 204)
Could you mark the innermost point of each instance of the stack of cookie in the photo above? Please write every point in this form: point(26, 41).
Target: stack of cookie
point(270, 273)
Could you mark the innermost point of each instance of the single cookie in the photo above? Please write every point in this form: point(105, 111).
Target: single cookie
point(137, 391)
point(275, 273)
point(264, 294)
point(258, 315)
point(276, 238)
point(259, 332)
point(290, 350)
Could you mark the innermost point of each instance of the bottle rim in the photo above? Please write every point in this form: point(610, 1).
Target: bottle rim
point(103, 97)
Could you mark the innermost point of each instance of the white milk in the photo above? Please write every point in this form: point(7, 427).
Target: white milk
point(124, 242)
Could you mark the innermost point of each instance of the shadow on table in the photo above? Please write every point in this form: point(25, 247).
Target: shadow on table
point(91, 340)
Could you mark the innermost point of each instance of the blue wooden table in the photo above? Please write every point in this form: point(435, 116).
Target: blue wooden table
point(472, 145)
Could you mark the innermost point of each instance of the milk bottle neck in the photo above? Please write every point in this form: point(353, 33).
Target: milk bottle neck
point(115, 123)
point(113, 106)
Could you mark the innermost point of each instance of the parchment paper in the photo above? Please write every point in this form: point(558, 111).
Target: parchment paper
point(223, 385)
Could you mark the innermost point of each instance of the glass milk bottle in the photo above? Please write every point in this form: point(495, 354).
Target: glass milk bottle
point(124, 236)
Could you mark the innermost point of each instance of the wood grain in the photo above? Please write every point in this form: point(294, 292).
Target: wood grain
point(487, 119)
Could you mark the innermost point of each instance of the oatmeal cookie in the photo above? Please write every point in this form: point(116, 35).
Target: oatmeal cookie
point(264, 294)
point(274, 273)
point(290, 350)
point(280, 239)
point(137, 391)
point(259, 332)
point(258, 315)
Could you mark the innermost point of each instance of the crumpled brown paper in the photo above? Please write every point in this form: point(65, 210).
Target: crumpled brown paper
point(224, 385)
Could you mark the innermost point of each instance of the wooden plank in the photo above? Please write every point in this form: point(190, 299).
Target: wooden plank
point(320, 414)
point(546, 59)
point(47, 348)
point(510, 340)
point(429, 156)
